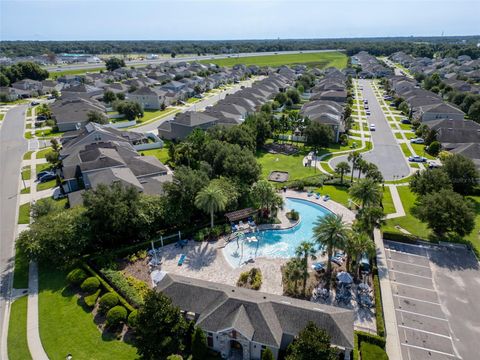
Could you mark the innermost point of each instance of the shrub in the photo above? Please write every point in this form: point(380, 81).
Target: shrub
point(200, 235)
point(90, 300)
point(132, 319)
point(139, 255)
point(116, 316)
point(406, 238)
point(372, 352)
point(250, 279)
point(76, 276)
point(127, 287)
point(175, 357)
point(293, 215)
point(108, 301)
point(378, 307)
point(298, 185)
point(90, 285)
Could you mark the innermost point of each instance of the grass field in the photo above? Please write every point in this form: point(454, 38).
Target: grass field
point(291, 163)
point(55, 74)
point(17, 331)
point(24, 214)
point(41, 167)
point(321, 60)
point(67, 327)
point(388, 207)
point(41, 154)
point(26, 173)
point(46, 185)
point(420, 150)
point(337, 193)
point(27, 155)
point(48, 133)
point(20, 274)
point(28, 135)
point(25, 190)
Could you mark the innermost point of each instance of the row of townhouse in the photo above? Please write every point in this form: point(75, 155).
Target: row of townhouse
point(424, 105)
point(327, 101)
point(99, 154)
point(231, 110)
point(447, 68)
point(370, 66)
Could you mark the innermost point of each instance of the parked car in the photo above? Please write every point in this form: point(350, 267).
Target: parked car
point(41, 117)
point(365, 101)
point(432, 164)
point(337, 260)
point(45, 172)
point(33, 103)
point(367, 112)
point(419, 159)
point(417, 141)
point(47, 177)
point(366, 107)
point(372, 127)
point(318, 267)
point(405, 121)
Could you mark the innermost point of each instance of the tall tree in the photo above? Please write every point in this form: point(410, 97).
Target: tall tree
point(354, 158)
point(293, 273)
point(265, 196)
point(114, 63)
point(330, 232)
point(312, 343)
point(428, 181)
point(199, 344)
point(366, 191)
point(357, 244)
point(211, 199)
point(304, 251)
point(342, 168)
point(462, 173)
point(319, 135)
point(369, 218)
point(160, 327)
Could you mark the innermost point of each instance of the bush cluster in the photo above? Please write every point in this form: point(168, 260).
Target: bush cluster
point(361, 338)
point(132, 319)
point(293, 215)
point(251, 279)
point(123, 286)
point(116, 316)
point(76, 276)
point(90, 285)
point(378, 306)
point(91, 300)
point(108, 301)
point(209, 233)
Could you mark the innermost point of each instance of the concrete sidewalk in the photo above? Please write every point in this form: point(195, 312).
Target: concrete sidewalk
point(33, 332)
point(397, 202)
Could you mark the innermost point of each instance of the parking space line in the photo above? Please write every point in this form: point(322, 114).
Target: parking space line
point(410, 298)
point(407, 253)
point(417, 287)
point(425, 331)
point(431, 350)
point(414, 313)
point(402, 272)
point(404, 262)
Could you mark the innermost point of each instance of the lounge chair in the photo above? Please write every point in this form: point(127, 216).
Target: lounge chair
point(317, 195)
point(326, 198)
point(310, 193)
point(181, 259)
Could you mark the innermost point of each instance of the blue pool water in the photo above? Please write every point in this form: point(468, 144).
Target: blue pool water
point(276, 243)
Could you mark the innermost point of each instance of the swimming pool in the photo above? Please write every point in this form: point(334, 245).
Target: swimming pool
point(276, 243)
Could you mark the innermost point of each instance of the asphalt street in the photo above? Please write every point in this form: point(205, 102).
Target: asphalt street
point(177, 59)
point(12, 147)
point(386, 152)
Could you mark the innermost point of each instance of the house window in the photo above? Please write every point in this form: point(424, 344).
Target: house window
point(210, 340)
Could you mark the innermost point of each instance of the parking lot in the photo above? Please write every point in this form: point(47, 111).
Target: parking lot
point(436, 292)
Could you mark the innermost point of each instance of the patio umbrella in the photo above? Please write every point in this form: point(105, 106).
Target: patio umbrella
point(363, 286)
point(344, 277)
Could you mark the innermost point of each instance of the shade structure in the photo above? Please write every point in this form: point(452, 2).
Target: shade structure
point(240, 214)
point(344, 277)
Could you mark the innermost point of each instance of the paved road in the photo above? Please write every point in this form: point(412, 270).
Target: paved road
point(386, 152)
point(12, 147)
point(178, 59)
point(199, 106)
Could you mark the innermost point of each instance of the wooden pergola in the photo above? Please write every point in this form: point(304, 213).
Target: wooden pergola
point(240, 214)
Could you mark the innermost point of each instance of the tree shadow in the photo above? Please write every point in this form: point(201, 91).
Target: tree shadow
point(200, 257)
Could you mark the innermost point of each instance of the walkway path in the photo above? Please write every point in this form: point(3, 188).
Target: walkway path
point(33, 334)
point(397, 202)
point(393, 343)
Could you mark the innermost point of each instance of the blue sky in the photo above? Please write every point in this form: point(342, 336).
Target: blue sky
point(233, 19)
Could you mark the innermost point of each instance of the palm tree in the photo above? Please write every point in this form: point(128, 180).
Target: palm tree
point(342, 168)
point(303, 252)
point(265, 196)
point(293, 272)
point(211, 199)
point(330, 231)
point(362, 167)
point(358, 244)
point(354, 157)
point(369, 218)
point(366, 191)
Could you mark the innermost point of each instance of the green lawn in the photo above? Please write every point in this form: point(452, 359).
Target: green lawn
point(41, 154)
point(388, 207)
point(46, 185)
point(66, 327)
point(160, 154)
point(406, 150)
point(474, 237)
point(398, 135)
point(27, 155)
point(28, 135)
point(320, 60)
point(337, 193)
point(29, 111)
point(41, 167)
point(24, 214)
point(192, 100)
point(291, 163)
point(17, 331)
point(28, 126)
point(55, 74)
point(25, 190)
point(405, 126)
point(20, 274)
point(420, 150)
point(2, 116)
point(151, 114)
point(48, 133)
point(26, 173)
point(408, 222)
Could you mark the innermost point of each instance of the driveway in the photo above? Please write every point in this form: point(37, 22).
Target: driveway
point(12, 147)
point(386, 152)
point(436, 291)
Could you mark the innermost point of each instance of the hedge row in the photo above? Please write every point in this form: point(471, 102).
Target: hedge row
point(109, 288)
point(129, 290)
point(378, 306)
point(405, 238)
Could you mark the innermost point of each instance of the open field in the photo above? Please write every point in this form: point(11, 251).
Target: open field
point(321, 60)
point(55, 74)
point(67, 327)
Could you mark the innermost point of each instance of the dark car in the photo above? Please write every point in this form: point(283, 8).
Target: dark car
point(47, 177)
point(33, 103)
point(406, 121)
point(43, 173)
point(41, 117)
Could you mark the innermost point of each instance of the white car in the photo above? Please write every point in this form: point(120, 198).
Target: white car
point(417, 141)
point(372, 127)
point(419, 159)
